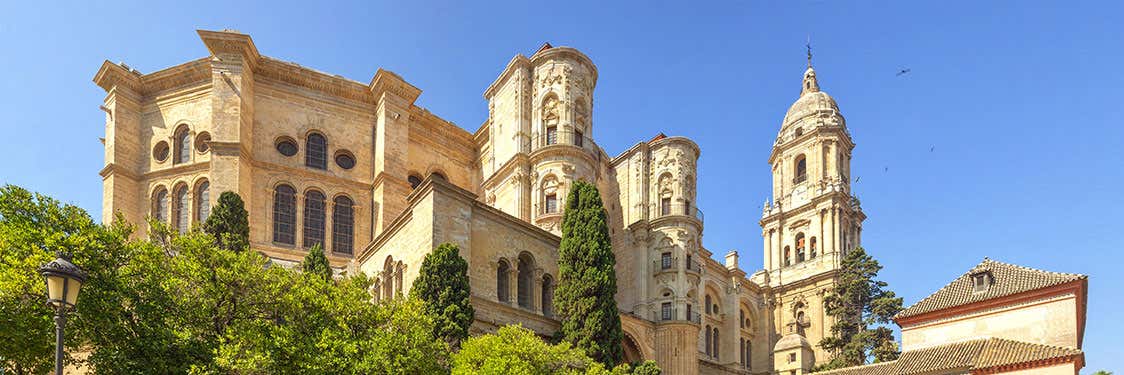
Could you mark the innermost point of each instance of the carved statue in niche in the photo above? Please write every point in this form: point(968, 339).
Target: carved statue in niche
point(550, 109)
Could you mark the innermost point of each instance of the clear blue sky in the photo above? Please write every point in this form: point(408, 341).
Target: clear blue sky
point(1021, 104)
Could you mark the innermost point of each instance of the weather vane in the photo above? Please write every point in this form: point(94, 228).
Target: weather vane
point(809, 46)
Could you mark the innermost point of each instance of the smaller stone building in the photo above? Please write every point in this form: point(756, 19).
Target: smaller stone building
point(997, 318)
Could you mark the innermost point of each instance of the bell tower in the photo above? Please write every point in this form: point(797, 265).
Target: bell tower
point(809, 223)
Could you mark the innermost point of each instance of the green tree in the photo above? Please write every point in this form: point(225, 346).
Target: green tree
point(587, 278)
point(442, 284)
point(1102, 372)
point(518, 351)
point(648, 367)
point(229, 222)
point(861, 306)
point(32, 228)
point(315, 263)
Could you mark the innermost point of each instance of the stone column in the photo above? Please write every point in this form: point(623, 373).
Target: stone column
point(233, 58)
point(125, 152)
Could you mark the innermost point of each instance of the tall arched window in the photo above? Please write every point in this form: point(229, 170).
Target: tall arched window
point(716, 351)
point(388, 277)
point(284, 215)
point(202, 201)
point(787, 256)
point(179, 209)
point(160, 205)
point(313, 218)
point(414, 181)
point(343, 225)
point(376, 290)
point(526, 280)
point(741, 318)
point(547, 295)
point(741, 351)
point(502, 288)
point(183, 145)
point(709, 350)
point(801, 172)
point(316, 151)
point(707, 306)
point(748, 354)
point(800, 252)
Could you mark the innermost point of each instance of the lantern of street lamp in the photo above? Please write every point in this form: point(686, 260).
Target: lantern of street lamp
point(64, 280)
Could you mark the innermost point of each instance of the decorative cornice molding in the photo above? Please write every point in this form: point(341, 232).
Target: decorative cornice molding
point(387, 81)
point(230, 42)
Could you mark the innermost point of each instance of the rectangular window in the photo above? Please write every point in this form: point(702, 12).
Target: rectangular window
point(665, 311)
point(552, 135)
point(665, 206)
point(792, 357)
point(551, 203)
point(689, 308)
point(578, 139)
point(665, 261)
point(687, 208)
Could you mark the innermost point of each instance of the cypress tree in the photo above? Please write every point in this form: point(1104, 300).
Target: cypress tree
point(316, 263)
point(861, 306)
point(587, 278)
point(229, 223)
point(442, 285)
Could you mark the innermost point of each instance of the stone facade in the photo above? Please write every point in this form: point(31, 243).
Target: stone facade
point(379, 181)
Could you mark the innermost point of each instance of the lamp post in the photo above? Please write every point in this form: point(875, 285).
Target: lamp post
point(64, 279)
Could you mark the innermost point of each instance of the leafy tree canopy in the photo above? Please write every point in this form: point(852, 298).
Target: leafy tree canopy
point(443, 285)
point(861, 306)
point(518, 351)
point(587, 278)
point(229, 222)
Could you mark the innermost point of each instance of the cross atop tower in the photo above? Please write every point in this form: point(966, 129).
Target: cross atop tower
point(809, 46)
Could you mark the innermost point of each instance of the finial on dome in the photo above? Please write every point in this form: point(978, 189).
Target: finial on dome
point(809, 45)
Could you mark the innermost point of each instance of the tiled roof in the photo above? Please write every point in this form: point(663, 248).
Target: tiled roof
point(1007, 279)
point(978, 354)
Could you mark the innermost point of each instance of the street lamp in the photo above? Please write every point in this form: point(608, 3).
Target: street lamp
point(64, 279)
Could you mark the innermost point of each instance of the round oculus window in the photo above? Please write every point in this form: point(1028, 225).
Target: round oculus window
point(160, 152)
point(287, 147)
point(345, 160)
point(202, 142)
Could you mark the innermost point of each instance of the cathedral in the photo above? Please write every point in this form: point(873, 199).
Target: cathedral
point(378, 181)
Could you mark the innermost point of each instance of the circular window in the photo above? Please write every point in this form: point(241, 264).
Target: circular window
point(160, 152)
point(287, 146)
point(345, 160)
point(202, 142)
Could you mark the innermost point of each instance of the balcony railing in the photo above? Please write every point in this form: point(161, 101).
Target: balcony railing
point(565, 138)
point(673, 315)
point(671, 264)
point(679, 209)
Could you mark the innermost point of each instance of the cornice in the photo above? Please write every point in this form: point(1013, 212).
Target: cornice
point(114, 169)
point(308, 173)
point(386, 81)
point(566, 52)
point(676, 139)
point(508, 167)
point(300, 76)
point(818, 131)
point(517, 61)
point(1077, 288)
point(230, 42)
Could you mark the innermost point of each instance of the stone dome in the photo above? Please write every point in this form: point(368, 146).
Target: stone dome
point(812, 101)
point(791, 341)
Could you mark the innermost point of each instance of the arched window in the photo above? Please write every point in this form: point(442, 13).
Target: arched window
point(179, 209)
point(709, 350)
point(343, 226)
point(439, 176)
point(748, 354)
point(787, 256)
point(502, 288)
point(741, 351)
point(414, 181)
point(801, 172)
point(547, 295)
point(525, 280)
point(160, 205)
point(399, 270)
point(707, 305)
point(284, 215)
point(313, 218)
point(741, 318)
point(202, 201)
point(316, 151)
point(388, 277)
point(716, 351)
point(183, 145)
point(812, 247)
point(549, 186)
point(800, 247)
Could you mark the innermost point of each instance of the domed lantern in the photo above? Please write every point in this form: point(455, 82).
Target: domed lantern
point(64, 280)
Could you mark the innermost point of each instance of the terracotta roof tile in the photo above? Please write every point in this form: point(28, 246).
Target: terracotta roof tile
point(962, 356)
point(1007, 279)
